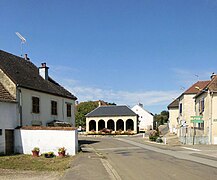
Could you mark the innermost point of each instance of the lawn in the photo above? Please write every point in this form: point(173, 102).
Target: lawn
point(28, 162)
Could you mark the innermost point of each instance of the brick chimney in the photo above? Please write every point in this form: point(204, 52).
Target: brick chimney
point(43, 71)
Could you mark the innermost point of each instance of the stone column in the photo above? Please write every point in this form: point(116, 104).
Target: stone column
point(87, 125)
point(96, 125)
point(135, 125)
point(125, 125)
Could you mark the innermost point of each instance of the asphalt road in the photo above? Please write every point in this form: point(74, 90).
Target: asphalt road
point(128, 161)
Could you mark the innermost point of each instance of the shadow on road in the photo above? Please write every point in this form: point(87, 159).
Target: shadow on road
point(83, 145)
point(83, 142)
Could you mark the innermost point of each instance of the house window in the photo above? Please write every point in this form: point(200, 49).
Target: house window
point(201, 105)
point(0, 132)
point(200, 125)
point(35, 105)
point(180, 108)
point(69, 110)
point(53, 108)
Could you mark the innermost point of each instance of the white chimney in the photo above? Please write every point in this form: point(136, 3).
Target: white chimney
point(213, 75)
point(99, 103)
point(43, 71)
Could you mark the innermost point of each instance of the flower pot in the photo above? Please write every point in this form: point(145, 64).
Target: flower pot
point(62, 154)
point(48, 155)
point(35, 153)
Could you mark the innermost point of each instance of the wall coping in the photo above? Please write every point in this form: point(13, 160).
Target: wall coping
point(48, 128)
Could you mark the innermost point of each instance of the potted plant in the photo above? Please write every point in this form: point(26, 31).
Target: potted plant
point(35, 151)
point(49, 154)
point(62, 151)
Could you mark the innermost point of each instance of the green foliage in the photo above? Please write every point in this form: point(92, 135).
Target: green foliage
point(36, 149)
point(160, 119)
point(153, 135)
point(82, 109)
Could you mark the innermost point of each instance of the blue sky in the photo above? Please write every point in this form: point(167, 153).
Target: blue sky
point(122, 51)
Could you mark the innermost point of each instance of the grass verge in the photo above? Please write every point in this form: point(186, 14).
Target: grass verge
point(28, 162)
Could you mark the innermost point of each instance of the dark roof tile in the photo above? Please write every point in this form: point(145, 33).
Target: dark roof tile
point(111, 111)
point(25, 74)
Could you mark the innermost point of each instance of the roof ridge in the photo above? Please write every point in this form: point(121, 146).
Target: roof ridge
point(24, 73)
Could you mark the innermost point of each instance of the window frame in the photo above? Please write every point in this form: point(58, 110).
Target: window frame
point(68, 110)
point(35, 105)
point(54, 107)
point(180, 108)
point(201, 105)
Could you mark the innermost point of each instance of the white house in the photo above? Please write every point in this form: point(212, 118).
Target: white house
point(112, 117)
point(7, 121)
point(39, 98)
point(145, 118)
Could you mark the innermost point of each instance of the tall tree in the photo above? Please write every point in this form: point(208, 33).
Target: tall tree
point(160, 119)
point(84, 108)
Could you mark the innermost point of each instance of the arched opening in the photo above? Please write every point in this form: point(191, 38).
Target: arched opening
point(101, 124)
point(120, 125)
point(111, 125)
point(130, 124)
point(92, 125)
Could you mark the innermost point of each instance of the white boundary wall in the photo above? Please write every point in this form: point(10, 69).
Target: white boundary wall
point(46, 140)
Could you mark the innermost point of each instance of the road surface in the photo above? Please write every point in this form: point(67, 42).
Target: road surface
point(129, 159)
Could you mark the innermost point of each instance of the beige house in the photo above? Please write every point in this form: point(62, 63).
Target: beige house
point(112, 117)
point(206, 107)
point(187, 103)
point(173, 109)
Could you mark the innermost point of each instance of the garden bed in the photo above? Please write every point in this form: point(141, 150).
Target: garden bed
point(28, 162)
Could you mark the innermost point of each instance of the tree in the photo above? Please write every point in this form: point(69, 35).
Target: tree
point(160, 119)
point(84, 108)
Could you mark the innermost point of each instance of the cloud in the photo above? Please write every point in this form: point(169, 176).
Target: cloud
point(185, 77)
point(148, 98)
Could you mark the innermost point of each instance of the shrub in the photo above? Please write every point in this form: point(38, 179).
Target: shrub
point(153, 135)
point(159, 140)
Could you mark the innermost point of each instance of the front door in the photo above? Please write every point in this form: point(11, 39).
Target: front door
point(9, 141)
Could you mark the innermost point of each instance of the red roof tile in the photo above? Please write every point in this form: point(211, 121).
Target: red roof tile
point(194, 90)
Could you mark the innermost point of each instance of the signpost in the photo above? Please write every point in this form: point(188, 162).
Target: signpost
point(194, 120)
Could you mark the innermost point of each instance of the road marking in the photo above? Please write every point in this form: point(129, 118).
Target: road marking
point(110, 170)
point(191, 149)
point(119, 148)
